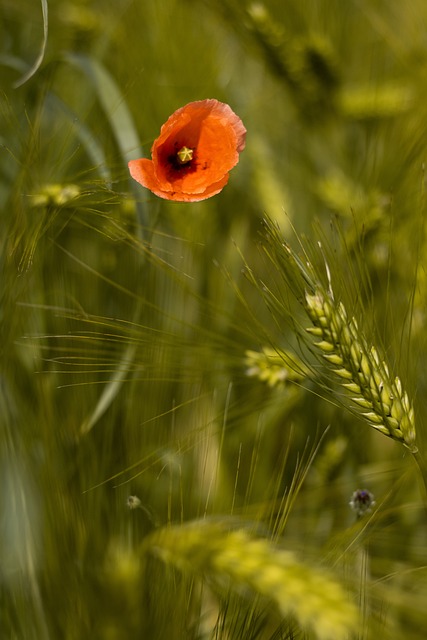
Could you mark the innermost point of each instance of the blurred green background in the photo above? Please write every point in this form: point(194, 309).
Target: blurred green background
point(126, 320)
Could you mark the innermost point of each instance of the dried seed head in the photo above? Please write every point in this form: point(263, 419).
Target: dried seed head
point(133, 502)
point(362, 502)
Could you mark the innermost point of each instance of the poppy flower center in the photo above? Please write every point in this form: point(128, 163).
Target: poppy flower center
point(184, 155)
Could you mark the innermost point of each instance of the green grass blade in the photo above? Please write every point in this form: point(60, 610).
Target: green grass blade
point(113, 104)
point(29, 74)
point(93, 148)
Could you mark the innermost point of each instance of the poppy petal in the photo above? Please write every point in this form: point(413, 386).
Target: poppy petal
point(142, 171)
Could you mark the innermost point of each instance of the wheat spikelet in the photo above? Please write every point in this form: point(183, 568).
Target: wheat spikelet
point(276, 367)
point(377, 396)
point(316, 601)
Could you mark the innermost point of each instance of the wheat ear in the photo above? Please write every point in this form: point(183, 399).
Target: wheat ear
point(210, 549)
point(377, 396)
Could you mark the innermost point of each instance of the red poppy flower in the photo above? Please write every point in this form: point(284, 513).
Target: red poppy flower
point(197, 147)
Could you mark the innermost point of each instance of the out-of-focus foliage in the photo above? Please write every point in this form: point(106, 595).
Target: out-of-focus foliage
point(145, 384)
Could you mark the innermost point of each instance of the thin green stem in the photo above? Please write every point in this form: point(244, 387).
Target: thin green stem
point(423, 473)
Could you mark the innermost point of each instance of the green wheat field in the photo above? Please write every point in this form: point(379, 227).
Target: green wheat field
point(213, 414)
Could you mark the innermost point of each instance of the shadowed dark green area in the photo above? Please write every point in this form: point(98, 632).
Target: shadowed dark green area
point(139, 356)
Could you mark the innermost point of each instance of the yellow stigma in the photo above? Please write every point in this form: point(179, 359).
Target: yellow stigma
point(185, 155)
